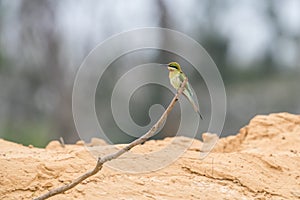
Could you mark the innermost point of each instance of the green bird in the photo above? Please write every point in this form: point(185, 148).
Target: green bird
point(177, 77)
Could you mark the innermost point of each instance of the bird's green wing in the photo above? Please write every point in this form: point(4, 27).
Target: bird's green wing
point(187, 86)
point(187, 92)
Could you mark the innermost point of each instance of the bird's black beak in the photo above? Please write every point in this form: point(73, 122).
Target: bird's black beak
point(164, 65)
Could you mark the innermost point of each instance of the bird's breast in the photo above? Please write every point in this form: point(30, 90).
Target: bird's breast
point(175, 80)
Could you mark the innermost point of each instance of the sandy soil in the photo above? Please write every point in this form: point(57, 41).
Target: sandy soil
point(261, 162)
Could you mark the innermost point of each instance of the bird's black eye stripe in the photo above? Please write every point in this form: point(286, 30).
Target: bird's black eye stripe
point(173, 66)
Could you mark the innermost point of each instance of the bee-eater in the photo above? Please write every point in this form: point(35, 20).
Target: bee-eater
point(177, 77)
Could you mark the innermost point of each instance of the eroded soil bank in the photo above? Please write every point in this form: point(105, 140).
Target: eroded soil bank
point(261, 162)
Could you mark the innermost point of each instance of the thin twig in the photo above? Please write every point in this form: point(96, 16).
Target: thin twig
point(115, 155)
point(62, 142)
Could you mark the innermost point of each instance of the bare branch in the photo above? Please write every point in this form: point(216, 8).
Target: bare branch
point(115, 155)
point(62, 142)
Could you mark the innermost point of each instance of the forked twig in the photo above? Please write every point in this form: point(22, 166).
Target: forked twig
point(115, 155)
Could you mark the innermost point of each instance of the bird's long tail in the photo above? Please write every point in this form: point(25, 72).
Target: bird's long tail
point(194, 105)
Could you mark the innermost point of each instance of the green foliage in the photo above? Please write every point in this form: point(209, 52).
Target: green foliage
point(37, 134)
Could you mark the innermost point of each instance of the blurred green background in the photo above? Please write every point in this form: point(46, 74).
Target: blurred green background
point(255, 44)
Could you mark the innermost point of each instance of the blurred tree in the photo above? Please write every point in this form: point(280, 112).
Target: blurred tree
point(41, 50)
point(212, 41)
point(43, 42)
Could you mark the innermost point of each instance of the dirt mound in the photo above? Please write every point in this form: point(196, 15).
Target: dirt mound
point(261, 162)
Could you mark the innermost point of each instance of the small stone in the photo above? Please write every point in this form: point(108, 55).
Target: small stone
point(48, 184)
point(80, 142)
point(97, 142)
point(53, 145)
point(209, 140)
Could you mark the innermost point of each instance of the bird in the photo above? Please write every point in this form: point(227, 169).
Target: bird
point(177, 77)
